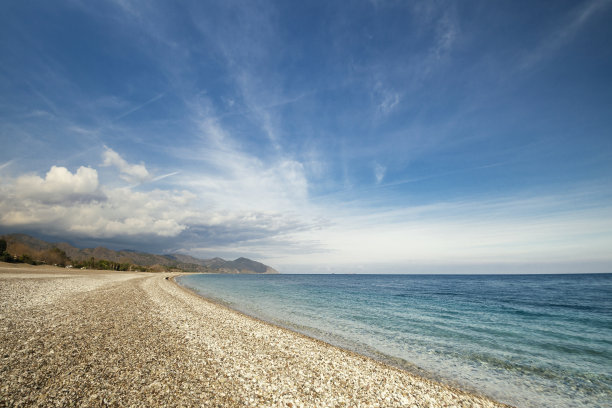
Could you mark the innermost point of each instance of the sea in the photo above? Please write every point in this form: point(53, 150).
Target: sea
point(525, 340)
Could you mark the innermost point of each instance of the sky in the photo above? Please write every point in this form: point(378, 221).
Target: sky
point(314, 136)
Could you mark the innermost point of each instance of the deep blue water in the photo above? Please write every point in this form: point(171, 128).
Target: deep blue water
point(526, 340)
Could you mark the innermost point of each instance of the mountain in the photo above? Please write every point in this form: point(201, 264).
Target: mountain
point(180, 261)
point(31, 242)
point(244, 264)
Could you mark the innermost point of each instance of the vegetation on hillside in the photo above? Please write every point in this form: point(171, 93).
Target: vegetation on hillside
point(28, 249)
point(22, 253)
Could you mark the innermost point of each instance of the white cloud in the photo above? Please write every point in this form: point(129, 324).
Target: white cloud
point(563, 228)
point(132, 173)
point(224, 211)
point(389, 101)
point(126, 212)
point(235, 180)
point(446, 33)
point(67, 203)
point(385, 97)
point(238, 182)
point(379, 172)
point(59, 185)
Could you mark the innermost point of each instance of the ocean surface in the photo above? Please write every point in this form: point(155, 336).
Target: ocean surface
point(526, 340)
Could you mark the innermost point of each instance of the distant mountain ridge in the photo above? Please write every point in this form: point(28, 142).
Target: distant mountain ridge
point(179, 261)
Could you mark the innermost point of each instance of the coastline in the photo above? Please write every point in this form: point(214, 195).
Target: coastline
point(378, 358)
point(100, 337)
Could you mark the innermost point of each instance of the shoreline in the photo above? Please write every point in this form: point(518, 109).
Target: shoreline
point(126, 338)
point(378, 357)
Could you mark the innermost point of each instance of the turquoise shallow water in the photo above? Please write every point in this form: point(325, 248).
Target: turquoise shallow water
point(526, 340)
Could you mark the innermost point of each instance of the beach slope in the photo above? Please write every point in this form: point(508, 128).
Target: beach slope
point(92, 338)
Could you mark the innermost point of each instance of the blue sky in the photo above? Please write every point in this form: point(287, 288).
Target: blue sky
point(314, 136)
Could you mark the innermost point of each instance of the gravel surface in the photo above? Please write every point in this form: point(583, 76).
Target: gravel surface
point(99, 338)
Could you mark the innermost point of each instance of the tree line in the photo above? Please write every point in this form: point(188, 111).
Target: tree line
point(21, 253)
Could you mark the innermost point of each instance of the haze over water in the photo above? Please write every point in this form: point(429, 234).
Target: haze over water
point(526, 340)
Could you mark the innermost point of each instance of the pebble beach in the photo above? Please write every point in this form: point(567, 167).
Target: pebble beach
point(102, 338)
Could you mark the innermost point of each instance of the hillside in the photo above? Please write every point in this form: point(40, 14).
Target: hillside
point(187, 263)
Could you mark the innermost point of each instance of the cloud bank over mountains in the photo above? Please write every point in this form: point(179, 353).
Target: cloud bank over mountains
point(243, 206)
point(76, 204)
